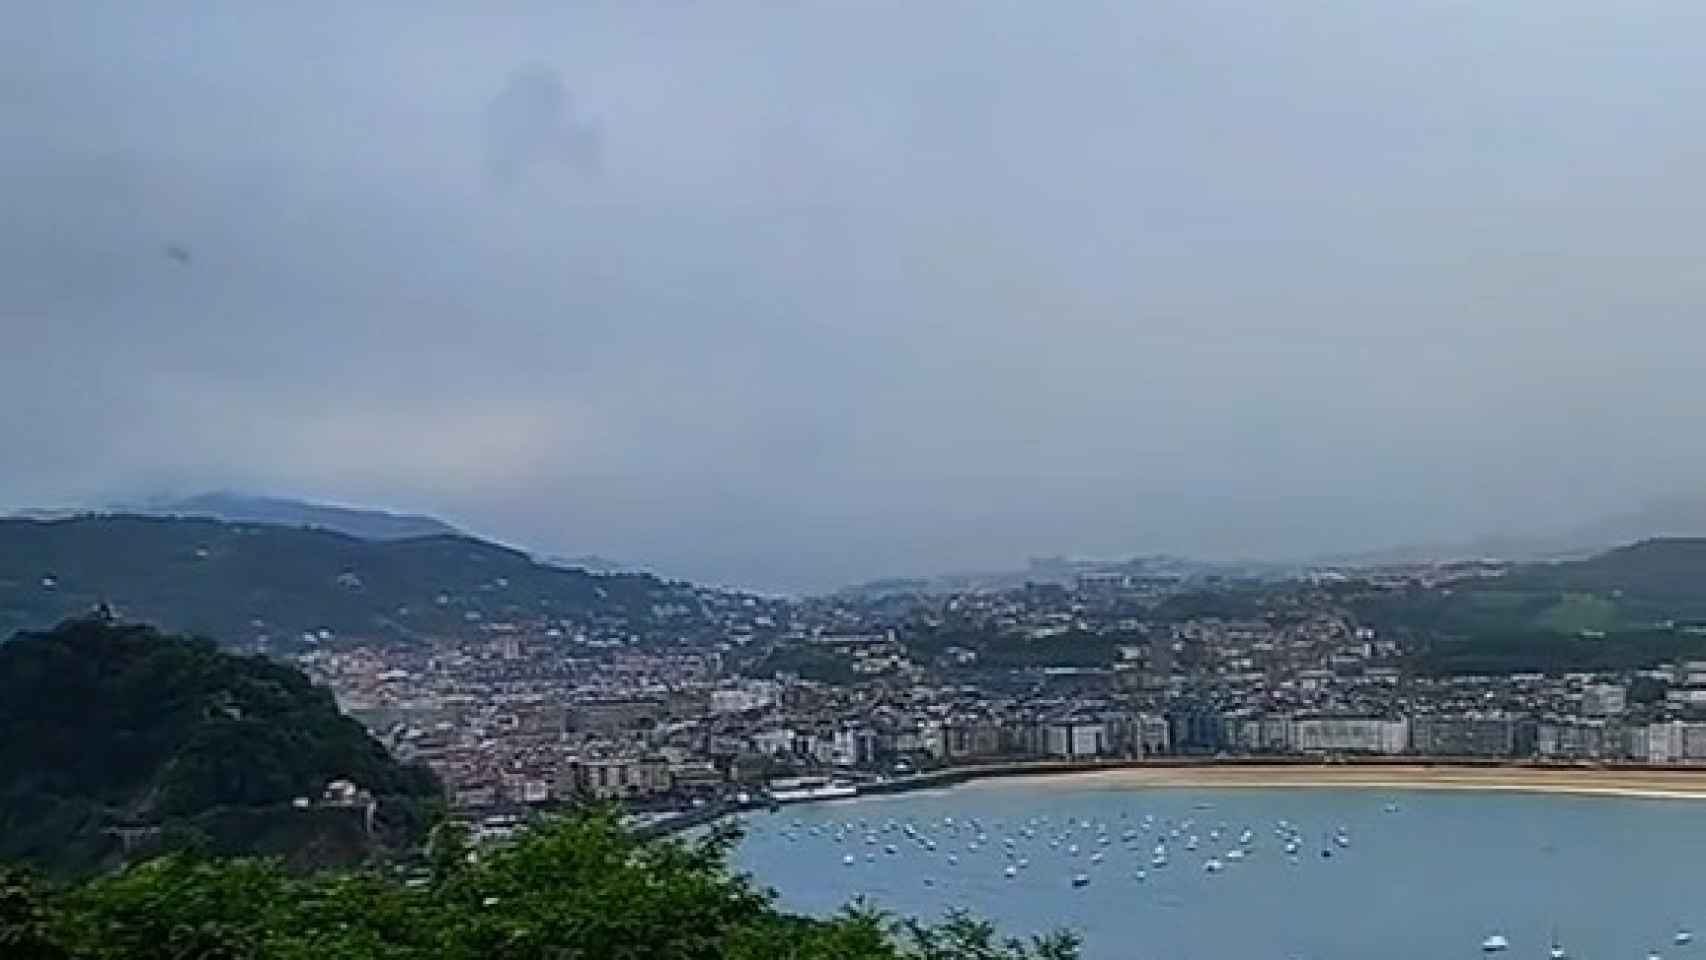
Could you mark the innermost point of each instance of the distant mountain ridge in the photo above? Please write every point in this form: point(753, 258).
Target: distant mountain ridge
point(368, 524)
point(1662, 519)
point(242, 582)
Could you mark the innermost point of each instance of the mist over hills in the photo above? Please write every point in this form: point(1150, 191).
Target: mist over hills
point(1672, 517)
point(234, 507)
point(1664, 518)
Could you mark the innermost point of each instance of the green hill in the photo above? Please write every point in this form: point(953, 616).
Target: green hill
point(1624, 608)
point(246, 583)
point(103, 725)
point(1665, 574)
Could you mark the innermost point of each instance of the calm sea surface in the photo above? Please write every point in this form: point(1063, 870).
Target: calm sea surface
point(1419, 874)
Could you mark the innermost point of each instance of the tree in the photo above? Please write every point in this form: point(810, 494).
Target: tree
point(962, 936)
point(105, 725)
point(579, 887)
point(23, 930)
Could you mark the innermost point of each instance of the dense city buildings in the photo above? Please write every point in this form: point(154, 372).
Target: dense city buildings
point(736, 691)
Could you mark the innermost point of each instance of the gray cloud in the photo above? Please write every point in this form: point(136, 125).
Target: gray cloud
point(882, 290)
point(531, 123)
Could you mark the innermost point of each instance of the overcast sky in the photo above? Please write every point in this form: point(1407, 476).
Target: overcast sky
point(790, 294)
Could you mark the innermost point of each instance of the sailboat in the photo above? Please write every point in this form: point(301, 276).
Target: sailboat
point(1556, 951)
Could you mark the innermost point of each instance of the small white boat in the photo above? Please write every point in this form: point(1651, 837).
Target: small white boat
point(1141, 875)
point(1236, 853)
point(1213, 865)
point(1072, 851)
point(1158, 861)
point(1683, 937)
point(1557, 952)
point(952, 859)
point(1010, 872)
point(1096, 858)
point(1495, 943)
point(1081, 879)
point(848, 860)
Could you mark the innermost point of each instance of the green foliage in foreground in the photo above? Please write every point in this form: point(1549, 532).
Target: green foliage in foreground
point(580, 887)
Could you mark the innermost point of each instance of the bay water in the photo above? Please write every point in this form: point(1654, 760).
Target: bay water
point(1406, 874)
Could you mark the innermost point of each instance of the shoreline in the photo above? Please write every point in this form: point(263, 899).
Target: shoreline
point(1631, 781)
point(1667, 784)
point(1411, 773)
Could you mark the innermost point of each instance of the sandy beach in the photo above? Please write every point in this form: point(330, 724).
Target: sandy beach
point(1674, 784)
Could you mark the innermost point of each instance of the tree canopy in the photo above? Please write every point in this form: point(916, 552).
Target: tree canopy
point(105, 725)
point(579, 887)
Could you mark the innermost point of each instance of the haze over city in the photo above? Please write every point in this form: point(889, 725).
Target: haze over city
point(788, 298)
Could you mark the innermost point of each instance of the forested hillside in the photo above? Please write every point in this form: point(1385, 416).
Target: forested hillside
point(1635, 606)
point(246, 583)
point(105, 725)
